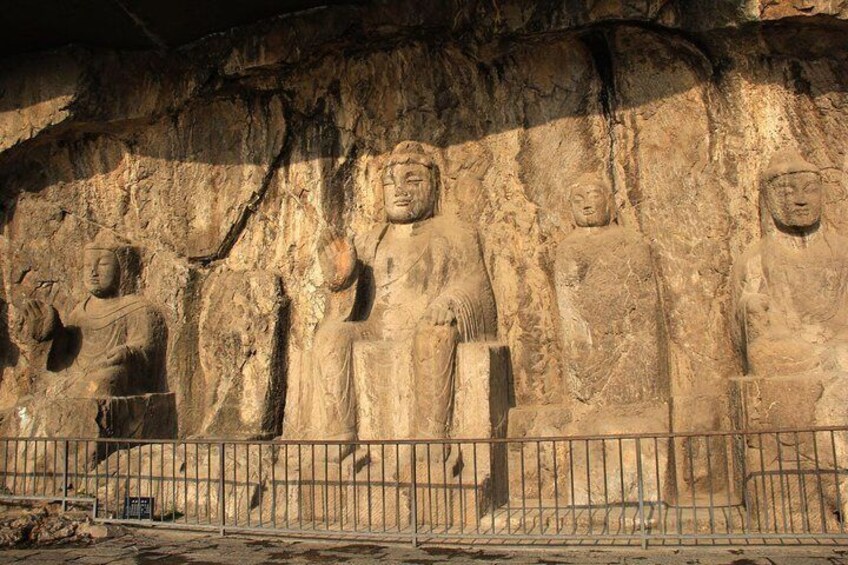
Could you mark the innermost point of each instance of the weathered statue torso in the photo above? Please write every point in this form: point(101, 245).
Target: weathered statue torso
point(412, 265)
point(109, 345)
point(608, 305)
point(126, 321)
point(790, 289)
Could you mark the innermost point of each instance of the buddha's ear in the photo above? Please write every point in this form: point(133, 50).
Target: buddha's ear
point(439, 188)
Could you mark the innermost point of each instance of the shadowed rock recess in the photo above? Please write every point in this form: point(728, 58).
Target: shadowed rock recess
point(556, 192)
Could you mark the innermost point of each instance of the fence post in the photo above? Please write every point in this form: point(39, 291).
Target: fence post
point(413, 487)
point(222, 503)
point(641, 488)
point(65, 477)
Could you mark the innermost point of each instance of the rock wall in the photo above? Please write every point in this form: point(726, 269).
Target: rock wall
point(224, 160)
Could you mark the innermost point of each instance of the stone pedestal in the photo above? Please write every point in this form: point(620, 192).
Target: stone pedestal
point(792, 478)
point(588, 472)
point(704, 465)
point(185, 481)
point(147, 416)
point(480, 411)
point(372, 488)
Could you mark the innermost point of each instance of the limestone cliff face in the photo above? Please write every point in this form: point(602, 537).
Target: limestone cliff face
point(232, 154)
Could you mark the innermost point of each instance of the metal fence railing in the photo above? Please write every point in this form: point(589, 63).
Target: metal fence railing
point(733, 487)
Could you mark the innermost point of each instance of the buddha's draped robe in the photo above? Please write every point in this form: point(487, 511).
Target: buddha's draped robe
point(440, 261)
point(610, 318)
point(806, 285)
point(88, 337)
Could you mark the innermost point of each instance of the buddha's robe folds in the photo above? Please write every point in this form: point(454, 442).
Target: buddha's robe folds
point(87, 338)
point(398, 280)
point(610, 318)
point(805, 287)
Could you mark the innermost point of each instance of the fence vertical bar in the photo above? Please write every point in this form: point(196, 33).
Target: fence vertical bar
point(413, 488)
point(641, 489)
point(819, 481)
point(222, 499)
point(65, 477)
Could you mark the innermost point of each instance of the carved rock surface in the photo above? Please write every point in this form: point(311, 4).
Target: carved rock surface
point(242, 356)
point(232, 154)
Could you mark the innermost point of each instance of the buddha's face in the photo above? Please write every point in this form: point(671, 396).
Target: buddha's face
point(101, 272)
point(795, 200)
point(409, 193)
point(590, 205)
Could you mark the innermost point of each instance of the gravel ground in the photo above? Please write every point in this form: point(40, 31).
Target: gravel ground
point(160, 547)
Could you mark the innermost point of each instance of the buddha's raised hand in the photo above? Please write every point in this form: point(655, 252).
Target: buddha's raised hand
point(337, 256)
point(40, 319)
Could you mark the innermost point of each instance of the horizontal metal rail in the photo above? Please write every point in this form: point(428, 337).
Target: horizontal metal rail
point(771, 486)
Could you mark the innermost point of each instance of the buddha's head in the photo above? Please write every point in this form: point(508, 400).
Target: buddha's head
point(410, 181)
point(107, 266)
point(792, 191)
point(592, 203)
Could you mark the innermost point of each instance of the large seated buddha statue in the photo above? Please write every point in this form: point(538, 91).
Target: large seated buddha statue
point(790, 289)
point(404, 297)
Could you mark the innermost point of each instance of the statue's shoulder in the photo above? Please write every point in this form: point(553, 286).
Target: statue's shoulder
point(455, 230)
point(630, 234)
point(837, 242)
point(133, 301)
point(122, 307)
point(77, 313)
point(633, 242)
point(750, 258)
point(754, 249)
point(366, 243)
point(132, 305)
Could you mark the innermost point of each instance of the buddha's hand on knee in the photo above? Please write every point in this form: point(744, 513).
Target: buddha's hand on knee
point(117, 356)
point(337, 256)
point(440, 313)
point(40, 320)
point(757, 314)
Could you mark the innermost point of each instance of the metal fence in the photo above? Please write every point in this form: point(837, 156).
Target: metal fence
point(726, 487)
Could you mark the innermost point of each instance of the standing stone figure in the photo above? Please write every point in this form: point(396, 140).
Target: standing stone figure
point(790, 289)
point(111, 343)
point(608, 305)
point(612, 338)
point(417, 279)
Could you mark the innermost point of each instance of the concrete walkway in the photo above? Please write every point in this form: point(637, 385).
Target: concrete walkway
point(143, 546)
